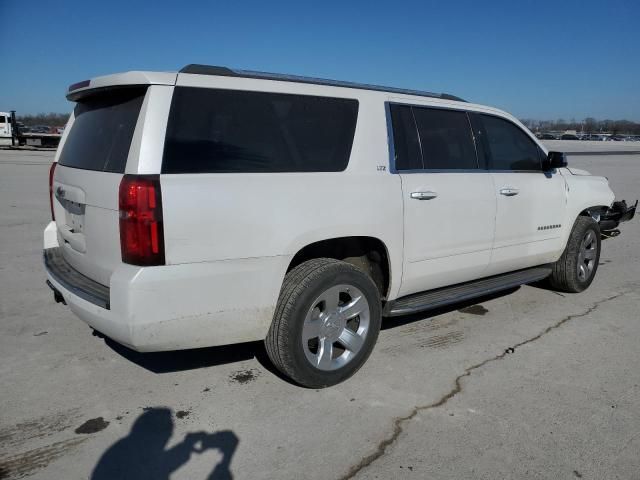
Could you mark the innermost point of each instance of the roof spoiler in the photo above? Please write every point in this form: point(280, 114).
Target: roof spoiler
point(78, 91)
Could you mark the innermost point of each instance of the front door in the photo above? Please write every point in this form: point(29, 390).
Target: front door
point(530, 203)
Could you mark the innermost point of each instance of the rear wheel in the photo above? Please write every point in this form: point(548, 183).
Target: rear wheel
point(577, 266)
point(326, 322)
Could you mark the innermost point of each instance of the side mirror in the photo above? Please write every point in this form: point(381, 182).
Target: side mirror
point(554, 160)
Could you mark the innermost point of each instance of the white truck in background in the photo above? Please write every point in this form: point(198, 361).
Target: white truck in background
point(5, 129)
point(14, 133)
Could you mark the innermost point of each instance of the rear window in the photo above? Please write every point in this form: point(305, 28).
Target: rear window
point(102, 131)
point(217, 131)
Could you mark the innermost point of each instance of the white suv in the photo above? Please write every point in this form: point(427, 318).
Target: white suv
point(215, 206)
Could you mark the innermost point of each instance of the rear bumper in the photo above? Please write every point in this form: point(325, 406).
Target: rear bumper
point(73, 281)
point(175, 307)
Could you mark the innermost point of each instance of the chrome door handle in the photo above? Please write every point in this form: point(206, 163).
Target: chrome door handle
point(509, 191)
point(423, 195)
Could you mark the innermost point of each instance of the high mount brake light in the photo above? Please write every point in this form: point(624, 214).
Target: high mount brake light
point(82, 84)
point(141, 232)
point(51, 172)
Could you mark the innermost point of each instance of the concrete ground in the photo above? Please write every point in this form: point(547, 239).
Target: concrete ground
point(528, 384)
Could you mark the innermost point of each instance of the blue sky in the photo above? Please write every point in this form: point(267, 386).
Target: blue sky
point(541, 60)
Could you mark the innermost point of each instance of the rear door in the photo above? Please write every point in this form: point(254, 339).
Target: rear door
point(87, 178)
point(530, 202)
point(449, 205)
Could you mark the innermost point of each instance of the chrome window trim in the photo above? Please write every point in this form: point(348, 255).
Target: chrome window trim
point(471, 170)
point(445, 170)
point(517, 171)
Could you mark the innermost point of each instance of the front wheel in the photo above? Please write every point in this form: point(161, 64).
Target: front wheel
point(577, 266)
point(326, 322)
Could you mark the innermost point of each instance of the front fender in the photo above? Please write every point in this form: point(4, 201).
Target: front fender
point(584, 193)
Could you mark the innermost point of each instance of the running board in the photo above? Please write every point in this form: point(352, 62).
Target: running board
point(419, 302)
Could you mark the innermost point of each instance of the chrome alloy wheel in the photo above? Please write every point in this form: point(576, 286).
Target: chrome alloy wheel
point(587, 256)
point(335, 327)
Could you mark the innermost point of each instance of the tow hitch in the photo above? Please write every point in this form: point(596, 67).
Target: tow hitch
point(57, 296)
point(618, 212)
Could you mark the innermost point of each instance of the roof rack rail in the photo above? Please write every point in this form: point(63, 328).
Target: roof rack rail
point(228, 72)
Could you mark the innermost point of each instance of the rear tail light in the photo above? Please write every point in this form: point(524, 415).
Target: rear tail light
point(141, 232)
point(51, 172)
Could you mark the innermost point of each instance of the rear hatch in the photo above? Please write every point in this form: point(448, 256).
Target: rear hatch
point(85, 187)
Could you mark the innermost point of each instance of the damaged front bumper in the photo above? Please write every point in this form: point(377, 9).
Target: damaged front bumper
point(616, 214)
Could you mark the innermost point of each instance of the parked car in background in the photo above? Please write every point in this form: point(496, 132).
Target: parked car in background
point(546, 136)
point(591, 137)
point(39, 129)
point(569, 136)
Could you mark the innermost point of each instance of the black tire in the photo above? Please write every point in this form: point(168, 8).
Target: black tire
point(565, 276)
point(302, 286)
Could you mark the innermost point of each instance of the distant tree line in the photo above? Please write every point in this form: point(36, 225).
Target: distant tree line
point(588, 125)
point(47, 119)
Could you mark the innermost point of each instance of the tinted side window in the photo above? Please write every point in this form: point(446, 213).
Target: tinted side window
point(405, 139)
point(219, 131)
point(509, 147)
point(2, 119)
point(446, 139)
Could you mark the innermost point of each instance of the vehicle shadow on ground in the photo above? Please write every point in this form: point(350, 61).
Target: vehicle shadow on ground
point(143, 453)
point(182, 360)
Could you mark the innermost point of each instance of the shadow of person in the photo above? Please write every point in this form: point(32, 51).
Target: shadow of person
point(142, 454)
point(226, 443)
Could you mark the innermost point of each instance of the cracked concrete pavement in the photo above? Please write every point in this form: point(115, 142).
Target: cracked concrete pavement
point(399, 423)
point(529, 384)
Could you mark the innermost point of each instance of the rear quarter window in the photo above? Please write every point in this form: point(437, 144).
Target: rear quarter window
point(218, 131)
point(101, 134)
